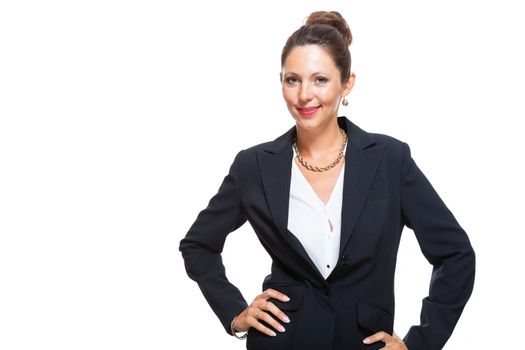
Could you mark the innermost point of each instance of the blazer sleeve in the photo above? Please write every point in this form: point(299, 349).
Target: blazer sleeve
point(202, 246)
point(446, 246)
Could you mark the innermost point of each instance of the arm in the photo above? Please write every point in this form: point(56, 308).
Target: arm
point(446, 246)
point(202, 246)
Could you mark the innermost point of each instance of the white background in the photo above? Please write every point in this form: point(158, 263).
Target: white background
point(119, 119)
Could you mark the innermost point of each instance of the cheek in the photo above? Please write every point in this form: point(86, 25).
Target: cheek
point(329, 97)
point(288, 96)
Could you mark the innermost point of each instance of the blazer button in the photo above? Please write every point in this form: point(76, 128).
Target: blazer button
point(345, 260)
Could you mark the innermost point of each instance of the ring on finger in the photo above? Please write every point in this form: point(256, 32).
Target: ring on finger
point(257, 315)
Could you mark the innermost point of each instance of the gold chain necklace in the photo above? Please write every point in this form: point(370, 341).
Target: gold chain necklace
point(328, 167)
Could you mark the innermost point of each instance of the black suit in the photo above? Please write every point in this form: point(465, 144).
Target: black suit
point(383, 191)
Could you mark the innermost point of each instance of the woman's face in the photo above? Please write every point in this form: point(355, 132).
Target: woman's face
point(312, 86)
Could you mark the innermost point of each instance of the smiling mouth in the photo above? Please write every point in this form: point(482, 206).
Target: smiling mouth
point(307, 111)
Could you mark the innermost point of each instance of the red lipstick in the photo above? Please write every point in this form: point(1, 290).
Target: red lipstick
point(308, 111)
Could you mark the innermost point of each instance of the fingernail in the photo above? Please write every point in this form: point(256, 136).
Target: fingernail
point(281, 329)
point(286, 319)
point(285, 298)
point(272, 333)
point(366, 340)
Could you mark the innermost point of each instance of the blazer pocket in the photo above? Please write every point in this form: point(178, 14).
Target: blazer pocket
point(294, 292)
point(374, 318)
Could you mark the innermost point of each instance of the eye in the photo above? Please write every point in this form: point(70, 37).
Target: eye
point(321, 80)
point(291, 80)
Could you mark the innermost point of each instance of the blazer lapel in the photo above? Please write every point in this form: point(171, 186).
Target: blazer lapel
point(275, 166)
point(361, 163)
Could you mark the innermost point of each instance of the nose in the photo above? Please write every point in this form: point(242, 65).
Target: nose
point(305, 92)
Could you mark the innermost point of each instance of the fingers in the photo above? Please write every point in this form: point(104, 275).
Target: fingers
point(266, 317)
point(272, 293)
point(262, 303)
point(261, 315)
point(276, 311)
point(391, 342)
point(379, 336)
point(263, 310)
point(256, 315)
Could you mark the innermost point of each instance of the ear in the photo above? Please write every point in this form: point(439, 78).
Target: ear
point(349, 84)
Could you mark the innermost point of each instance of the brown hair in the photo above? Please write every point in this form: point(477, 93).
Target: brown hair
point(328, 29)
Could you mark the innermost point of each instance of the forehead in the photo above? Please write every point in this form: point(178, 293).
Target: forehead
point(307, 59)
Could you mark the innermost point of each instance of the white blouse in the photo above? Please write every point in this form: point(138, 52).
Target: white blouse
point(309, 219)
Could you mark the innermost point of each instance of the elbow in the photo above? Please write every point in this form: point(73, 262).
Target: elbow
point(467, 271)
point(466, 260)
point(184, 246)
point(199, 260)
point(469, 258)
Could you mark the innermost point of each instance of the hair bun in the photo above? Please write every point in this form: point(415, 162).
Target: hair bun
point(331, 18)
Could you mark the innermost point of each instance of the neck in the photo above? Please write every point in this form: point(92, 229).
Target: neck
point(321, 142)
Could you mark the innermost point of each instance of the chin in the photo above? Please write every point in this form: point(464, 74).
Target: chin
point(312, 122)
point(307, 123)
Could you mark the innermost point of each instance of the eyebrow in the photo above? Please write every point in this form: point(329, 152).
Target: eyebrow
point(313, 74)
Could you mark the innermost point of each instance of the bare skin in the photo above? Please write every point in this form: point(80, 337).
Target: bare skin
point(262, 309)
point(323, 183)
point(310, 80)
point(392, 342)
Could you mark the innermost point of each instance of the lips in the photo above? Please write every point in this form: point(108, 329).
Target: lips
point(308, 111)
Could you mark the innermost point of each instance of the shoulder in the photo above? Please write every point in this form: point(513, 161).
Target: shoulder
point(279, 144)
point(390, 142)
point(397, 155)
point(387, 140)
point(395, 149)
point(364, 139)
point(247, 159)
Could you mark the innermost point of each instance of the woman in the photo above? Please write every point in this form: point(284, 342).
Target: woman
point(328, 202)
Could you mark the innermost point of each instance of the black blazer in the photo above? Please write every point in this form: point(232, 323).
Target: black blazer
point(383, 191)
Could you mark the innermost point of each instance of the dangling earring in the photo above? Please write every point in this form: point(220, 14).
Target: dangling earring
point(345, 101)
